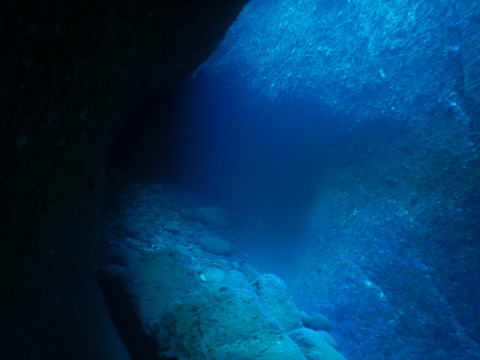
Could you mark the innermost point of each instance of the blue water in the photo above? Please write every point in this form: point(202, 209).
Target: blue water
point(343, 141)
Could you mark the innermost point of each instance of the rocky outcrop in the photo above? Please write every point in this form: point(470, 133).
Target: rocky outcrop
point(71, 73)
point(163, 306)
point(173, 299)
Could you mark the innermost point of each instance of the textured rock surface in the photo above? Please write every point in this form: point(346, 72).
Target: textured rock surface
point(366, 58)
point(219, 323)
point(159, 279)
point(314, 345)
point(71, 73)
point(181, 302)
point(275, 293)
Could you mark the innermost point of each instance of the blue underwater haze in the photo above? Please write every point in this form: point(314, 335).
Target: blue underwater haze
point(343, 138)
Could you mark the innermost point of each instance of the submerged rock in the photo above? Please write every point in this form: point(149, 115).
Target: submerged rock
point(249, 271)
point(213, 215)
point(176, 301)
point(212, 274)
point(215, 245)
point(315, 321)
point(130, 227)
point(166, 306)
point(235, 278)
point(172, 226)
point(274, 292)
point(225, 323)
point(159, 278)
point(314, 346)
point(328, 338)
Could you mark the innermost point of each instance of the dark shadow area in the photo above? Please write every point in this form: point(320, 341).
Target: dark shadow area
point(139, 345)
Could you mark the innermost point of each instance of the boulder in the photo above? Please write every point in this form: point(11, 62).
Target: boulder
point(158, 279)
point(315, 321)
point(249, 271)
point(224, 323)
point(213, 215)
point(212, 274)
point(215, 245)
point(328, 338)
point(235, 278)
point(271, 289)
point(314, 346)
point(130, 227)
point(172, 226)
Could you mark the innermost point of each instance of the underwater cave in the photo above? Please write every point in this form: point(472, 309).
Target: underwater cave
point(251, 180)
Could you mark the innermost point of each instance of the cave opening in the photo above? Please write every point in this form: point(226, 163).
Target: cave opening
point(306, 187)
point(340, 166)
point(264, 161)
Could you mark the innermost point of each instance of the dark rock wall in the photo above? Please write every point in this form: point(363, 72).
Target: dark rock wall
point(71, 72)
